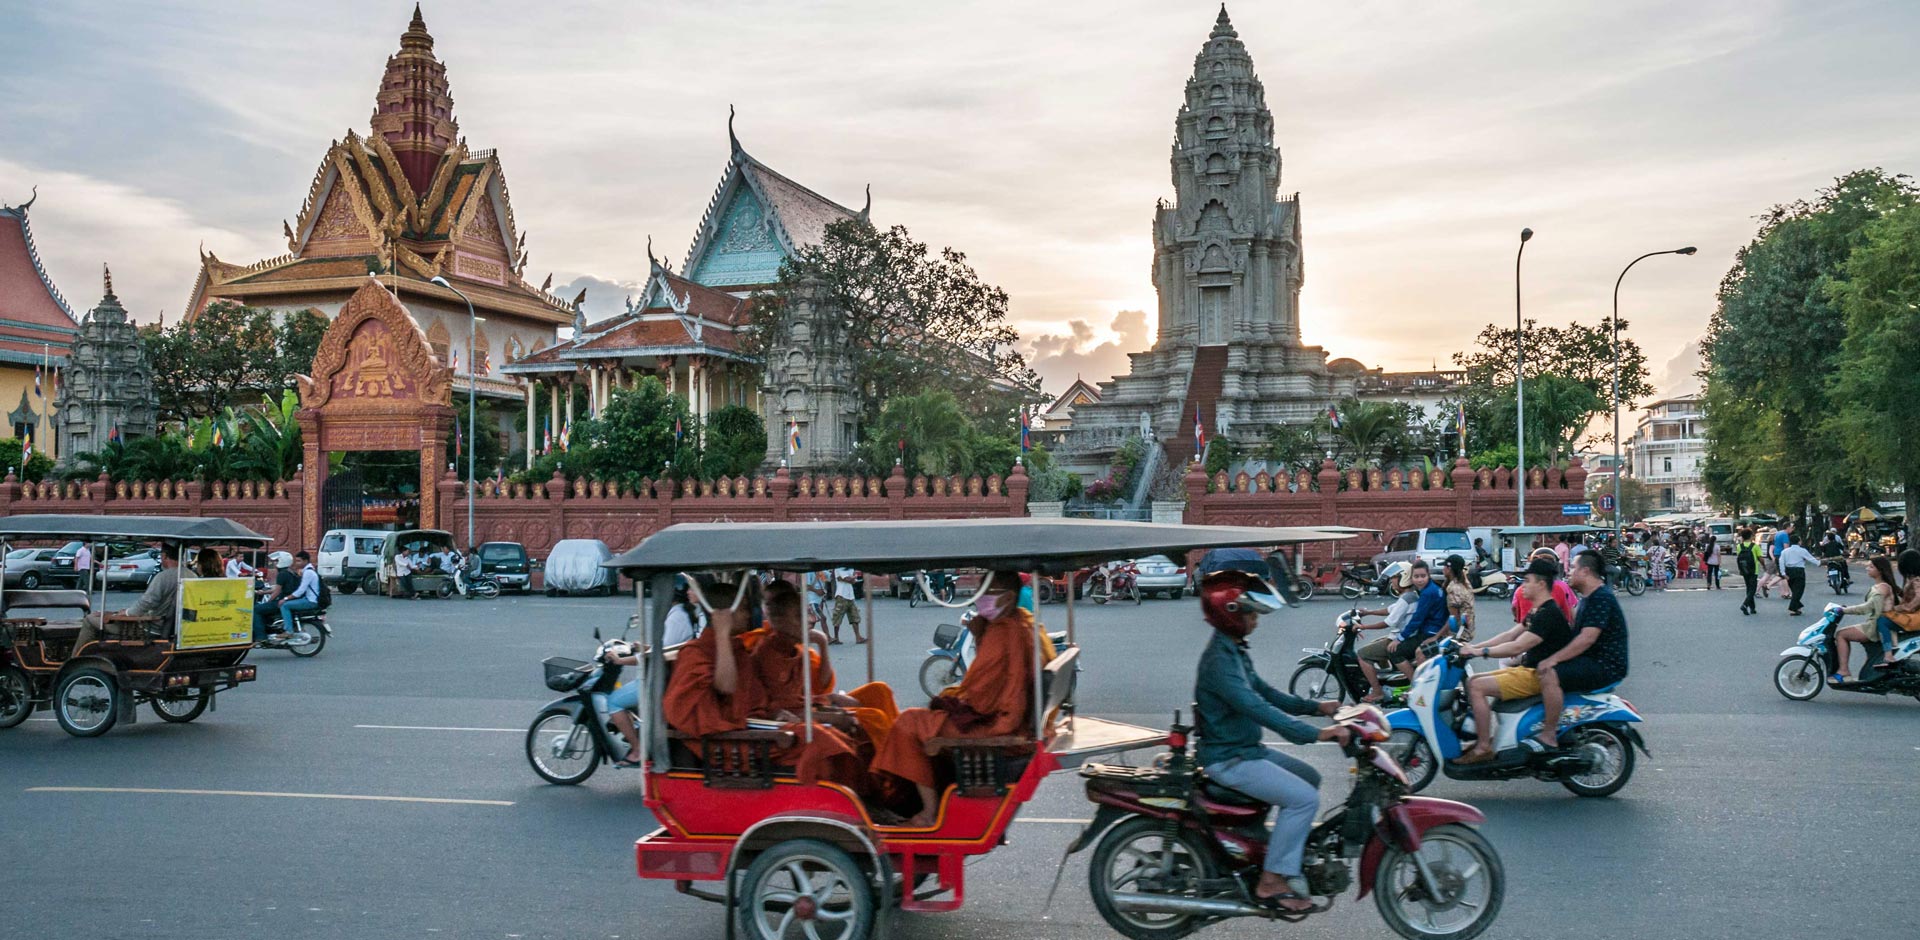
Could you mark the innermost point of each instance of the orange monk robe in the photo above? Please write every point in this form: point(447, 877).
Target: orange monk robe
point(995, 698)
point(692, 706)
point(775, 662)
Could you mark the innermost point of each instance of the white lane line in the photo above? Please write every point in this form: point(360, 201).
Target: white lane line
point(296, 796)
point(434, 728)
point(1045, 821)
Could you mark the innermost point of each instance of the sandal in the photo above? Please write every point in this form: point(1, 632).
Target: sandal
point(1534, 745)
point(628, 762)
point(1838, 678)
point(1277, 901)
point(1474, 756)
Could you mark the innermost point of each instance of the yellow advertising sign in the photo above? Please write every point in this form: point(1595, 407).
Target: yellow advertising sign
point(215, 612)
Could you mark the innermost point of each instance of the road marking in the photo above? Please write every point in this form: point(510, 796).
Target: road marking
point(1045, 821)
point(434, 728)
point(297, 796)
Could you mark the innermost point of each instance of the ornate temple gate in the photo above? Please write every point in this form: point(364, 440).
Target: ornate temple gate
point(375, 385)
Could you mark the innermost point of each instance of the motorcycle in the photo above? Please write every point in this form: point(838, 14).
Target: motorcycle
point(572, 736)
point(946, 663)
point(307, 640)
point(1597, 735)
point(1115, 582)
point(1804, 668)
point(940, 585)
point(1360, 580)
point(1177, 851)
point(481, 585)
point(1318, 679)
point(1628, 576)
point(1838, 578)
point(1490, 580)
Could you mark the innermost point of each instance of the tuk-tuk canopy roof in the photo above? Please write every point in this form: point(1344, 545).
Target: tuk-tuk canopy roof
point(208, 530)
point(1047, 545)
point(1502, 532)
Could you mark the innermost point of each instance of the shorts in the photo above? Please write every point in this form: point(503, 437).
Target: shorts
point(1515, 682)
point(626, 696)
point(1581, 674)
point(1390, 650)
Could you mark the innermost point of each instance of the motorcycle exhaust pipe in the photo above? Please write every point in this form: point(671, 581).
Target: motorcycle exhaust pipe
point(1174, 904)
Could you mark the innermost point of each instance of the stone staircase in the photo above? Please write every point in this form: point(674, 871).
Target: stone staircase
point(1203, 392)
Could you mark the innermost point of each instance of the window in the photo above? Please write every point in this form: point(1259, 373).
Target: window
point(503, 551)
point(368, 546)
point(333, 542)
point(1442, 541)
point(1403, 542)
point(1666, 464)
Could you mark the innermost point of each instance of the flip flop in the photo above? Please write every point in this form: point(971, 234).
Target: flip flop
point(1534, 745)
point(1474, 757)
point(1276, 901)
point(623, 762)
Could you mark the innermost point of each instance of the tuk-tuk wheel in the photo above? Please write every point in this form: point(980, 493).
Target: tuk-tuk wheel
point(187, 705)
point(87, 702)
point(16, 696)
point(805, 883)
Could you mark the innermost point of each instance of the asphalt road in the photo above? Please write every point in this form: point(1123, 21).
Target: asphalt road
point(1756, 817)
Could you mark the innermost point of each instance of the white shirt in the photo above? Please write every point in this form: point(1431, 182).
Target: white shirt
point(843, 589)
point(237, 568)
point(1797, 556)
point(83, 559)
point(1401, 610)
point(309, 589)
point(679, 626)
point(402, 565)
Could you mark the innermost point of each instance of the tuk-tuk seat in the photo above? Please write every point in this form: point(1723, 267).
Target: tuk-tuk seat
point(739, 760)
point(43, 598)
point(986, 767)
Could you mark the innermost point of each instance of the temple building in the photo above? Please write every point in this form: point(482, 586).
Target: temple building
point(686, 326)
point(37, 330)
point(107, 393)
point(1228, 267)
point(409, 202)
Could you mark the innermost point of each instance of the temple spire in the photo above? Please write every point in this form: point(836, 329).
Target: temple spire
point(733, 140)
point(413, 109)
point(1223, 27)
point(106, 276)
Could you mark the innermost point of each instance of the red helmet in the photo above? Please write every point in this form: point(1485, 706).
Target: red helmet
point(1226, 595)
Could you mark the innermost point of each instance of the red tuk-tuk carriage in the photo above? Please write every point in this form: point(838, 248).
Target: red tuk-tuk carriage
point(738, 830)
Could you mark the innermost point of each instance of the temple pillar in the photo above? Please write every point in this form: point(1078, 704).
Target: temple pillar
point(569, 388)
point(531, 421)
point(553, 409)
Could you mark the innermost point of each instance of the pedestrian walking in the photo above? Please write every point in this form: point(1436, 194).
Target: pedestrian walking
point(1712, 560)
point(1794, 561)
point(83, 567)
point(844, 608)
point(1746, 560)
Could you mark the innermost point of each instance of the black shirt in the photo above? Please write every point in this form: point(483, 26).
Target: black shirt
point(1601, 610)
point(287, 582)
point(1549, 623)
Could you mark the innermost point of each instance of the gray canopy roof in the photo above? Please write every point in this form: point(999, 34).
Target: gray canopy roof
point(1052, 545)
point(1569, 529)
point(212, 530)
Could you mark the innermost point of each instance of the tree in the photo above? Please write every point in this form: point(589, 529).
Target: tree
point(226, 356)
point(1876, 397)
point(38, 465)
point(1578, 352)
point(1371, 430)
point(735, 444)
point(913, 322)
point(1292, 445)
point(636, 436)
point(1773, 343)
point(929, 431)
point(489, 454)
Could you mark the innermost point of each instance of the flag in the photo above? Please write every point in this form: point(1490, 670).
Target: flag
point(1333, 417)
point(676, 429)
point(1460, 421)
point(480, 364)
point(453, 360)
point(219, 439)
point(113, 435)
point(190, 438)
point(1199, 434)
point(37, 393)
point(1026, 432)
point(546, 439)
point(459, 440)
point(26, 451)
point(793, 437)
point(566, 435)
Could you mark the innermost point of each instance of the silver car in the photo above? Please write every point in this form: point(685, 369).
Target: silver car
point(1159, 574)
point(28, 567)
point(133, 572)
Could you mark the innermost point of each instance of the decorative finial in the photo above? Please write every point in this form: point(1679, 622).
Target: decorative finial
point(732, 139)
point(653, 264)
point(106, 276)
point(36, 194)
point(580, 298)
point(1223, 27)
point(866, 211)
point(421, 21)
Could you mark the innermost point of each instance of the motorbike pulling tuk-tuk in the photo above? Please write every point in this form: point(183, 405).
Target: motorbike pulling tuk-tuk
point(792, 859)
point(95, 676)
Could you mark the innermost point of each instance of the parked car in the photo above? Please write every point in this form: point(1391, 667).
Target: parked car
point(132, 572)
point(509, 565)
point(1433, 545)
point(574, 567)
point(27, 567)
point(1161, 575)
point(350, 558)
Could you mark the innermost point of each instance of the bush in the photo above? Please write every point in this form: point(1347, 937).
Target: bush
point(1104, 490)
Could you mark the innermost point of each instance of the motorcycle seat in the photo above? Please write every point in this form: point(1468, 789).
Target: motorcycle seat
point(1517, 705)
point(1226, 797)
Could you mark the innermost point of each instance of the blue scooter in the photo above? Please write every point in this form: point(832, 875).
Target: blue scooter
point(1597, 734)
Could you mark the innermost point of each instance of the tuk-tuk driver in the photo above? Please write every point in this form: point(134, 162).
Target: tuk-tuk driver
point(161, 599)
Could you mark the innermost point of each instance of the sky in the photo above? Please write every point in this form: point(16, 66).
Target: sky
point(1032, 137)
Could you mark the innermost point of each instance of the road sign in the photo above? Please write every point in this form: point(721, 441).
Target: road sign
point(1576, 509)
point(1606, 502)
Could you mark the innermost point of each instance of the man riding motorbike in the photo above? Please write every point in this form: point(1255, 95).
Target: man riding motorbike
point(1596, 657)
point(1428, 622)
point(1231, 705)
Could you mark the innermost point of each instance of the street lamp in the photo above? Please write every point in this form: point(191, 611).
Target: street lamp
point(1520, 377)
point(473, 326)
point(1619, 510)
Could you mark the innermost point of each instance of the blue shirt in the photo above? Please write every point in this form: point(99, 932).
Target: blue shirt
point(1780, 540)
point(1232, 703)
point(1430, 617)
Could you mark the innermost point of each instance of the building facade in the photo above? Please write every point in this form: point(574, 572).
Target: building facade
point(37, 330)
point(1668, 445)
point(107, 392)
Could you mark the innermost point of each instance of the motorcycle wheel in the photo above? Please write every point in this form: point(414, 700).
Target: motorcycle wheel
point(1799, 678)
point(809, 878)
point(487, 590)
point(16, 696)
point(1636, 584)
point(186, 706)
point(1313, 682)
point(445, 590)
point(1501, 590)
point(1616, 764)
point(937, 673)
point(1411, 751)
point(1352, 589)
point(316, 641)
point(1303, 589)
point(1135, 851)
point(1133, 590)
point(561, 748)
point(1469, 876)
point(913, 598)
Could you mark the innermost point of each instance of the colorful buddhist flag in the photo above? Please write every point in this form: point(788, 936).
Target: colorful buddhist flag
point(26, 451)
point(566, 435)
point(1026, 432)
point(113, 435)
point(793, 437)
point(1333, 417)
point(1199, 434)
point(219, 438)
point(1460, 422)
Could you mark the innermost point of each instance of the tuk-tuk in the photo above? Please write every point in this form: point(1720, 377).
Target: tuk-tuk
point(429, 582)
point(93, 676)
point(738, 830)
point(1516, 541)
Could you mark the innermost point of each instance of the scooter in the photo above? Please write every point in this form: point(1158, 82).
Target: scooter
point(946, 664)
point(307, 640)
point(1173, 851)
point(1490, 580)
point(1597, 734)
point(1804, 668)
point(1358, 581)
point(1838, 578)
point(1115, 583)
point(573, 735)
point(1317, 677)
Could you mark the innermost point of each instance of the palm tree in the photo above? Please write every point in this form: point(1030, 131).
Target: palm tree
point(935, 430)
point(1366, 428)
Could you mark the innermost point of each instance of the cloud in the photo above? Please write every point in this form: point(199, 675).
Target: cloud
point(1061, 358)
point(606, 297)
point(1678, 377)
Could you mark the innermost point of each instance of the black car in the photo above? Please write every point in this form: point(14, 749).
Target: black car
point(508, 564)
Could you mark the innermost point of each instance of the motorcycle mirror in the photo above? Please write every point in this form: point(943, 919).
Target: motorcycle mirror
point(596, 633)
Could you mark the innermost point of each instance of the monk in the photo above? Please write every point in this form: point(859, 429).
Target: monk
point(995, 697)
point(712, 692)
point(774, 657)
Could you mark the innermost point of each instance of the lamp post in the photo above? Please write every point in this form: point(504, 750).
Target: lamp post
point(1619, 509)
point(1520, 378)
point(473, 326)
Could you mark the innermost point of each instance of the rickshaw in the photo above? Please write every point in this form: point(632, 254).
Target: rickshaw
point(177, 669)
point(427, 582)
point(737, 830)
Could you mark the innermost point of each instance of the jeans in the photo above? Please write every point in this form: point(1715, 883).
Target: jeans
point(290, 609)
point(1753, 581)
point(1797, 583)
point(1292, 786)
point(1883, 626)
point(1713, 576)
point(264, 613)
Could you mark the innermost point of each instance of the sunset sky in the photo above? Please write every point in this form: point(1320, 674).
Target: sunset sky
point(1032, 136)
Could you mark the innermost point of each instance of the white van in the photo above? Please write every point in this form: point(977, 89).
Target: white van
point(349, 558)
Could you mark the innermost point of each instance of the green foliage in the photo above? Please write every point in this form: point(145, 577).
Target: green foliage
point(1221, 453)
point(489, 455)
point(1376, 431)
point(1876, 397)
point(226, 356)
point(1578, 352)
point(1125, 463)
point(735, 444)
point(1500, 455)
point(1053, 484)
point(39, 465)
point(635, 437)
point(1293, 445)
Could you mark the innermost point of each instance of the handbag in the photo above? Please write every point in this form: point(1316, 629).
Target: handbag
point(1908, 621)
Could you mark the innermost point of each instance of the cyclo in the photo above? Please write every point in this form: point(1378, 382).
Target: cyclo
point(93, 685)
point(790, 859)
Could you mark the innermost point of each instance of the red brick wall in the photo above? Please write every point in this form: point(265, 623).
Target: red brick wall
point(270, 509)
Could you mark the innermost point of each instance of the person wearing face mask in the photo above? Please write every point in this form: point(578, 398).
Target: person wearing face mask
point(1232, 705)
point(995, 697)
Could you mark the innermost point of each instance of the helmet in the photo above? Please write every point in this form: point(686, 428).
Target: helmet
point(281, 560)
point(1225, 595)
point(1399, 574)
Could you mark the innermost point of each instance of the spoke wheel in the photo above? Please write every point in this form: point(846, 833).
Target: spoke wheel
point(1410, 749)
point(1351, 589)
point(316, 641)
point(561, 749)
point(1470, 880)
point(1139, 856)
point(181, 706)
point(1799, 678)
point(937, 673)
point(1613, 755)
point(1636, 584)
point(16, 696)
point(804, 889)
point(86, 702)
point(1312, 681)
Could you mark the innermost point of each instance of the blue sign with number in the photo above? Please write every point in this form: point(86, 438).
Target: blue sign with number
point(1576, 509)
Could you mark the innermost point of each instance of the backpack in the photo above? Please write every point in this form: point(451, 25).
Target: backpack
point(1746, 557)
point(325, 599)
